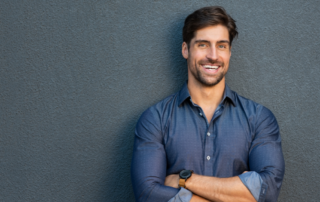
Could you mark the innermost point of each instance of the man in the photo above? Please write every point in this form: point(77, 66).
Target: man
point(207, 143)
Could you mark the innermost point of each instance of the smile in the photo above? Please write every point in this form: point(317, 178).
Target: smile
point(210, 67)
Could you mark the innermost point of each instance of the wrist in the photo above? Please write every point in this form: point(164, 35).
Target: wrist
point(188, 183)
point(183, 177)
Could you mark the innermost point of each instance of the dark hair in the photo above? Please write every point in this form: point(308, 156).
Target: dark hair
point(208, 16)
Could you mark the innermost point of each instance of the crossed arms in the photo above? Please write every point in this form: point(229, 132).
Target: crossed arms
point(151, 182)
point(213, 188)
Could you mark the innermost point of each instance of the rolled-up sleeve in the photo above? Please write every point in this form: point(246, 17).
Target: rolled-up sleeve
point(255, 184)
point(265, 159)
point(148, 168)
point(183, 195)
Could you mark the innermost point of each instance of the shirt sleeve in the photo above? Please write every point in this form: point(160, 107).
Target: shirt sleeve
point(148, 168)
point(255, 184)
point(265, 158)
point(183, 195)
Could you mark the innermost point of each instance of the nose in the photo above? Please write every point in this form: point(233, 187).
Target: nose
point(212, 53)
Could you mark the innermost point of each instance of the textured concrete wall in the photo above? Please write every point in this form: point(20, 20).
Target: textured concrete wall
point(76, 75)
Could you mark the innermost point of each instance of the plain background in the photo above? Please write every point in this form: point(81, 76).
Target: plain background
point(76, 75)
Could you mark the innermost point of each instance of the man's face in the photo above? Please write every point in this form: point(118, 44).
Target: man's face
point(208, 55)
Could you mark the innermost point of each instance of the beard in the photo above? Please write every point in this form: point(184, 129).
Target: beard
point(202, 78)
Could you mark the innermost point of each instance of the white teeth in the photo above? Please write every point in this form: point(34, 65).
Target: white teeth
point(210, 67)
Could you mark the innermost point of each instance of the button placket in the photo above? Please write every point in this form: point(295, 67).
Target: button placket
point(209, 150)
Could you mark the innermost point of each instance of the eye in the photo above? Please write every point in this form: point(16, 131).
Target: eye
point(222, 46)
point(202, 45)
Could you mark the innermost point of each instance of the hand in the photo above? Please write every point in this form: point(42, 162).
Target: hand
point(172, 181)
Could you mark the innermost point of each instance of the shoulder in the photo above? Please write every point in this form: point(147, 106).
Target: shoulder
point(262, 121)
point(158, 113)
point(256, 111)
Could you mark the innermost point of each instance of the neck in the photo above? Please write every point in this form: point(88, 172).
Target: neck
point(206, 96)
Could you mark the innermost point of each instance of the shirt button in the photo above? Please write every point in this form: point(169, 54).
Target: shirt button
point(208, 134)
point(200, 114)
point(208, 157)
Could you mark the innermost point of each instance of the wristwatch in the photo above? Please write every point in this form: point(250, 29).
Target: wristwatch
point(184, 175)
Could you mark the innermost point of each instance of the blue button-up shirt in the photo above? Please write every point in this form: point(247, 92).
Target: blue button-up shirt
point(174, 135)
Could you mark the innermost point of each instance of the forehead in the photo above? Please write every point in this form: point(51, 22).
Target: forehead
point(212, 33)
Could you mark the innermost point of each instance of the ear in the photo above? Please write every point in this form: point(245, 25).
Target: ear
point(185, 50)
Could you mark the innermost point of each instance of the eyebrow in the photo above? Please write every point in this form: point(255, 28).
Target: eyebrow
point(205, 41)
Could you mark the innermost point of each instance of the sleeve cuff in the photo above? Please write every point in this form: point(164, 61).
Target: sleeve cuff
point(255, 184)
point(183, 195)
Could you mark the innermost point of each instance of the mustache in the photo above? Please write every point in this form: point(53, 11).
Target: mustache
point(212, 62)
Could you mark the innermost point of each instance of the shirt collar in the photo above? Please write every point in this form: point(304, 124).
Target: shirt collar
point(228, 93)
point(184, 94)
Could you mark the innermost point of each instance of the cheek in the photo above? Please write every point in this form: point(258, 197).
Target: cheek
point(226, 57)
point(198, 55)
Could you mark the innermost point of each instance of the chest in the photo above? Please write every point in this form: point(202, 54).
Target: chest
point(193, 143)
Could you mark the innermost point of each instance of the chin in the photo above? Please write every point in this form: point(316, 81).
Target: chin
point(210, 83)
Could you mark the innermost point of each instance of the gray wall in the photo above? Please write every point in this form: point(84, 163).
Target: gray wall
point(76, 75)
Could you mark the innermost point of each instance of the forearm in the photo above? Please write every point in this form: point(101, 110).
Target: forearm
point(219, 189)
point(196, 198)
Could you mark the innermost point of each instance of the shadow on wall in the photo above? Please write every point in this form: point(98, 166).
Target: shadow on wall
point(116, 182)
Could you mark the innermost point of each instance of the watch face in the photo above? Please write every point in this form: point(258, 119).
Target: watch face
point(185, 174)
